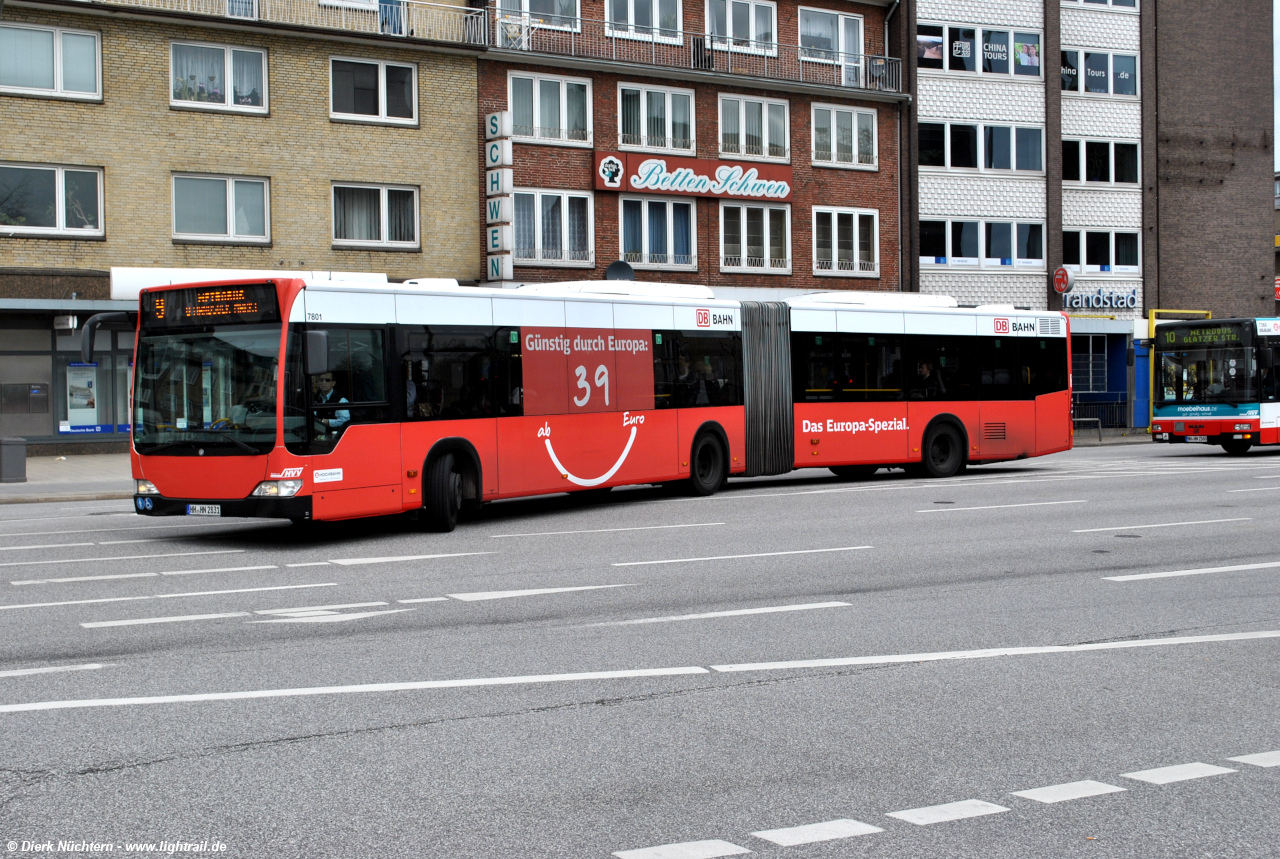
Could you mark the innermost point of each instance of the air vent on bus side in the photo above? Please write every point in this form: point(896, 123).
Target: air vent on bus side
point(993, 432)
point(1050, 326)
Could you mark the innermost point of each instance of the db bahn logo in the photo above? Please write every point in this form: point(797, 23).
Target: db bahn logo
point(704, 318)
point(1002, 326)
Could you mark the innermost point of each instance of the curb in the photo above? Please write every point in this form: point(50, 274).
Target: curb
point(42, 499)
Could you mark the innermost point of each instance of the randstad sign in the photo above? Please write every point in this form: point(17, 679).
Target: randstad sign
point(627, 171)
point(1112, 299)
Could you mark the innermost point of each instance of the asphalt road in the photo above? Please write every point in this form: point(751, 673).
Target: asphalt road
point(671, 676)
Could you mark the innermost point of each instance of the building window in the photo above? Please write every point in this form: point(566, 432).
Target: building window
point(550, 109)
point(960, 146)
point(373, 91)
point(43, 200)
point(753, 127)
point(645, 19)
point(1089, 363)
point(843, 137)
point(846, 242)
point(227, 208)
point(50, 61)
point(375, 216)
point(546, 13)
point(659, 233)
point(553, 228)
point(993, 245)
point(1101, 251)
point(978, 50)
point(1100, 161)
point(653, 118)
point(743, 25)
point(755, 238)
point(1099, 73)
point(199, 77)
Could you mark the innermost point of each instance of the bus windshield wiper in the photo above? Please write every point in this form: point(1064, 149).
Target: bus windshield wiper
point(253, 450)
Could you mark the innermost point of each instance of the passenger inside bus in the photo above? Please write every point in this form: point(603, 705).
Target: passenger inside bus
point(928, 384)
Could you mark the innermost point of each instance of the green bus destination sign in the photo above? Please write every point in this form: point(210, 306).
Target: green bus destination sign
point(1200, 335)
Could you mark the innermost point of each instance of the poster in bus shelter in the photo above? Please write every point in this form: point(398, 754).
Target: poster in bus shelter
point(82, 400)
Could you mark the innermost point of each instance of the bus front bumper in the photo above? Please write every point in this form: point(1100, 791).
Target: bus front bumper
point(255, 508)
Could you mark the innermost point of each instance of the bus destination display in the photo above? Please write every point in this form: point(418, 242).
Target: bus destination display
point(211, 305)
point(1179, 337)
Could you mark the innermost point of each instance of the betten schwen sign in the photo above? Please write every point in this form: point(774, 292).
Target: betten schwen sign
point(694, 177)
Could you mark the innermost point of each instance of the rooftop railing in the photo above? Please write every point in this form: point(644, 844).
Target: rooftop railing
point(404, 18)
point(679, 49)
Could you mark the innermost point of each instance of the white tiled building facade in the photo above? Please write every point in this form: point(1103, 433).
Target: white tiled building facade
point(984, 142)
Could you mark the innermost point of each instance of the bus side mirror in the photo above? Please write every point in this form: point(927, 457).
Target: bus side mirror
point(1267, 358)
point(317, 352)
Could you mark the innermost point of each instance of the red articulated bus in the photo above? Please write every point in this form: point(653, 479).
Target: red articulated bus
point(332, 400)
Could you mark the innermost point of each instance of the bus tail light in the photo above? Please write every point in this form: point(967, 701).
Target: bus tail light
point(278, 488)
point(146, 487)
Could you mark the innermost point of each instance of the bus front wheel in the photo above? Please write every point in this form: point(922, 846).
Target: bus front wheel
point(943, 451)
point(442, 495)
point(1236, 446)
point(707, 468)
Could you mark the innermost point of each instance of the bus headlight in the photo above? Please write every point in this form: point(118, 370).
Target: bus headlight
point(278, 488)
point(145, 487)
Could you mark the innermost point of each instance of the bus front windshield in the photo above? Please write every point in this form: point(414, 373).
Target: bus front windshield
point(207, 392)
point(1206, 375)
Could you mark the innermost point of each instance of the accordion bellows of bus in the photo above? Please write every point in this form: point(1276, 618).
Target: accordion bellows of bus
point(325, 399)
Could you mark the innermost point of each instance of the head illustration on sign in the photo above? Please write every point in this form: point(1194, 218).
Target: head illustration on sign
point(611, 172)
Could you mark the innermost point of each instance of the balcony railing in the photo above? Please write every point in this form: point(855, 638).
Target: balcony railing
point(554, 256)
point(584, 38)
point(643, 258)
point(737, 261)
point(862, 265)
point(407, 18)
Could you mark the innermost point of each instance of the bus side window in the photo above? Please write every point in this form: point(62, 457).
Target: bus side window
point(1043, 364)
point(456, 372)
point(998, 362)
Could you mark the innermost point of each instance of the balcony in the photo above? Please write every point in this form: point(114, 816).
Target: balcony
point(408, 19)
point(631, 45)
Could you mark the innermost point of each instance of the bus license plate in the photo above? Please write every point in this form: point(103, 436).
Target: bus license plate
point(204, 509)
point(1197, 438)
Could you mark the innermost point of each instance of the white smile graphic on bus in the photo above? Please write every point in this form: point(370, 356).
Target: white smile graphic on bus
point(545, 433)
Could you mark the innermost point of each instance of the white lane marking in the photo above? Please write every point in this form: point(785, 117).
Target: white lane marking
point(1259, 489)
point(145, 528)
point(56, 518)
point(950, 811)
point(115, 507)
point(1267, 476)
point(994, 652)
point(812, 833)
point(476, 596)
point(362, 688)
point(1200, 572)
point(1069, 791)
point(25, 672)
point(734, 613)
point(606, 530)
point(1181, 772)
point(735, 557)
point(143, 620)
point(120, 558)
point(310, 564)
point(999, 506)
point(351, 562)
point(685, 850)
point(329, 616)
point(167, 596)
point(424, 599)
point(123, 542)
point(318, 608)
point(1162, 525)
point(83, 579)
point(217, 570)
point(45, 546)
point(1262, 759)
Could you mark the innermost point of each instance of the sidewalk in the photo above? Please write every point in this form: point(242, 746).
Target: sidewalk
point(92, 477)
point(1087, 436)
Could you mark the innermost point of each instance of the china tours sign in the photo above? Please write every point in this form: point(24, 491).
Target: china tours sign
point(694, 177)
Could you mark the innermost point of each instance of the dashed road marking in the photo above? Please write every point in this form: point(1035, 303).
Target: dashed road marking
point(502, 595)
point(218, 570)
point(55, 669)
point(424, 599)
point(120, 558)
point(714, 614)
point(1181, 772)
point(812, 833)
point(310, 564)
point(147, 620)
point(686, 850)
point(1069, 791)
point(351, 562)
point(735, 557)
point(606, 530)
point(1000, 506)
point(83, 579)
point(167, 596)
point(961, 810)
point(1262, 759)
point(1162, 525)
point(1200, 572)
point(329, 616)
point(45, 546)
point(319, 608)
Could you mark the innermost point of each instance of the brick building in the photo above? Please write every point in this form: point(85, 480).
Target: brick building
point(743, 145)
point(323, 136)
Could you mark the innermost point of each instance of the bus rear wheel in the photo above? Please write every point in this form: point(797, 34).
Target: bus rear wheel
point(853, 472)
point(441, 496)
point(1236, 446)
point(943, 451)
point(707, 469)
